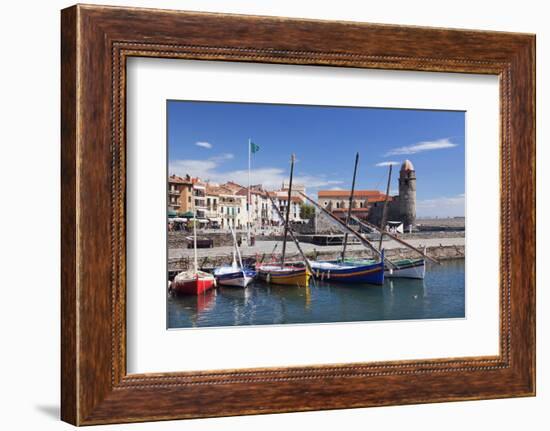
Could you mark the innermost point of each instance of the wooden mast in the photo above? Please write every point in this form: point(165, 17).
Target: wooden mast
point(350, 204)
point(385, 210)
point(395, 238)
point(291, 233)
point(339, 222)
point(289, 201)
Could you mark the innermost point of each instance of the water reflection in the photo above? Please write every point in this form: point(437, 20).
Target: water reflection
point(440, 295)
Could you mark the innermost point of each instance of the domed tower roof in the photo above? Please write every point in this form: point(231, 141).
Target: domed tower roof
point(407, 166)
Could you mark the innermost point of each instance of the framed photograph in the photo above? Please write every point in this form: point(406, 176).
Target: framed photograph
point(267, 215)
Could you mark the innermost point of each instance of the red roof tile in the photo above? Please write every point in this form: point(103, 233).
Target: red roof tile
point(338, 194)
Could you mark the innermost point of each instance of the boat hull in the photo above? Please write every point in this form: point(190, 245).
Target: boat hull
point(289, 277)
point(415, 269)
point(347, 273)
point(193, 286)
point(235, 279)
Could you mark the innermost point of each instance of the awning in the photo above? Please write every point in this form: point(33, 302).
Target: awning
point(172, 213)
point(188, 214)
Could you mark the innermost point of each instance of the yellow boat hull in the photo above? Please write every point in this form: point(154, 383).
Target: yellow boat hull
point(292, 277)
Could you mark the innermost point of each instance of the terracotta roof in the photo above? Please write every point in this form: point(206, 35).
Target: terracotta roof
point(353, 210)
point(213, 190)
point(345, 194)
point(380, 198)
point(178, 180)
point(234, 187)
point(253, 191)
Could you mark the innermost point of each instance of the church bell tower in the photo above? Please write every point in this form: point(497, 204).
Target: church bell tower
point(407, 194)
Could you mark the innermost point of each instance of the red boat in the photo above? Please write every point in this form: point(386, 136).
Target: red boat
point(192, 282)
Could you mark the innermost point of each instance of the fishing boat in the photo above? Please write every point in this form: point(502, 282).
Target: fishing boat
point(407, 268)
point(234, 275)
point(193, 282)
point(350, 272)
point(402, 268)
point(281, 273)
point(343, 270)
point(289, 275)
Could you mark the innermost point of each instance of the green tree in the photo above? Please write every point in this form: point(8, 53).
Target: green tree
point(307, 211)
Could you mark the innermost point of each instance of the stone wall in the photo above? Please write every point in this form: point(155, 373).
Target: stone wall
point(438, 252)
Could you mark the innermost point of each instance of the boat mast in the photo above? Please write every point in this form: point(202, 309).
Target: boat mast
point(196, 259)
point(345, 228)
point(248, 203)
point(368, 225)
point(236, 247)
point(291, 233)
point(288, 209)
point(385, 210)
point(350, 204)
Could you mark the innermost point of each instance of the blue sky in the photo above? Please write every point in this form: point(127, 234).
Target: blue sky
point(209, 140)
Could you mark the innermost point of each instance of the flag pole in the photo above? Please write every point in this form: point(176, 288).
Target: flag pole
point(248, 200)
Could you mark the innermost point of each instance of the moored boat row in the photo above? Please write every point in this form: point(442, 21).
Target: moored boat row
point(348, 271)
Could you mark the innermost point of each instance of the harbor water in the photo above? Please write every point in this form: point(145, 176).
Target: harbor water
point(440, 295)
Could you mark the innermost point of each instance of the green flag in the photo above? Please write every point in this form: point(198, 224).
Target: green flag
point(254, 148)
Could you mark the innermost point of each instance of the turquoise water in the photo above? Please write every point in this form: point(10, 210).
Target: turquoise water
point(439, 295)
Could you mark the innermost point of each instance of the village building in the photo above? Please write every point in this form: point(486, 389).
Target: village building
point(337, 202)
point(199, 196)
point(260, 206)
point(225, 205)
point(402, 207)
point(180, 192)
point(280, 198)
point(232, 207)
point(368, 205)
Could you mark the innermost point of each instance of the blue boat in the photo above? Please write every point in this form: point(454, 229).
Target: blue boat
point(349, 272)
point(233, 275)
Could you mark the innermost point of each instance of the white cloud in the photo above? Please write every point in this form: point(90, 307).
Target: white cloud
point(204, 144)
point(222, 157)
point(389, 163)
point(443, 206)
point(422, 146)
point(211, 170)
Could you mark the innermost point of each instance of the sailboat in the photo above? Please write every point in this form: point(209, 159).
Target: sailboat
point(294, 275)
point(403, 268)
point(407, 268)
point(345, 271)
point(371, 272)
point(234, 275)
point(193, 282)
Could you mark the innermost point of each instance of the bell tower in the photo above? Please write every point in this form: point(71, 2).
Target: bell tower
point(407, 194)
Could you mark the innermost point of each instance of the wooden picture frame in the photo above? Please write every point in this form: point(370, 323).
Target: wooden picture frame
point(95, 43)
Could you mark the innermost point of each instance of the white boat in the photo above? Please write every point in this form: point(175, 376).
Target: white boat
point(407, 268)
point(234, 275)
